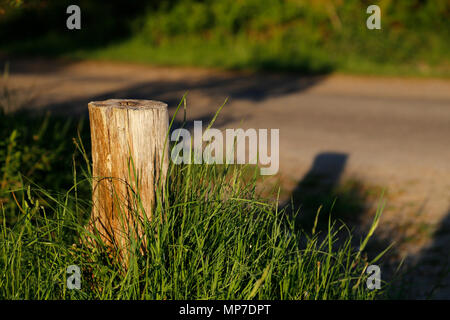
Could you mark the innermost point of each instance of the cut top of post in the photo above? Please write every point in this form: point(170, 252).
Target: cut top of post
point(134, 104)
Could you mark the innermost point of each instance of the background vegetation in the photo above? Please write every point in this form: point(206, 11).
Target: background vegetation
point(295, 35)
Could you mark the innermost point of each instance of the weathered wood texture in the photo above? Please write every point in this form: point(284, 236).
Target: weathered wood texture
point(129, 159)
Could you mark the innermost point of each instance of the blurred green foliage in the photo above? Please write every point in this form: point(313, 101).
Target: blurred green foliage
point(36, 150)
point(305, 35)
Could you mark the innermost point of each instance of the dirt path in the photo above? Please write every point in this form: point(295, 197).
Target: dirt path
point(393, 133)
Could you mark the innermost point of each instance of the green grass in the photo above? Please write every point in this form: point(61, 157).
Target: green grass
point(218, 238)
point(216, 242)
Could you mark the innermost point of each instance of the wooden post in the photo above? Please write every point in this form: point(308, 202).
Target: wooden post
point(130, 157)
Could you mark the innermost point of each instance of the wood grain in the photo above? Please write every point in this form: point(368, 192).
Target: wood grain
point(129, 160)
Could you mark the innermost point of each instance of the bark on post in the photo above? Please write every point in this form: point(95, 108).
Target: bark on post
point(130, 157)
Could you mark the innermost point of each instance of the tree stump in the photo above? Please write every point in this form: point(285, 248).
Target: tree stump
point(129, 161)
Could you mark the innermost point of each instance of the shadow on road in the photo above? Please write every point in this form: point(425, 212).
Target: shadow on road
point(422, 276)
point(321, 187)
point(428, 275)
point(205, 92)
point(253, 87)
